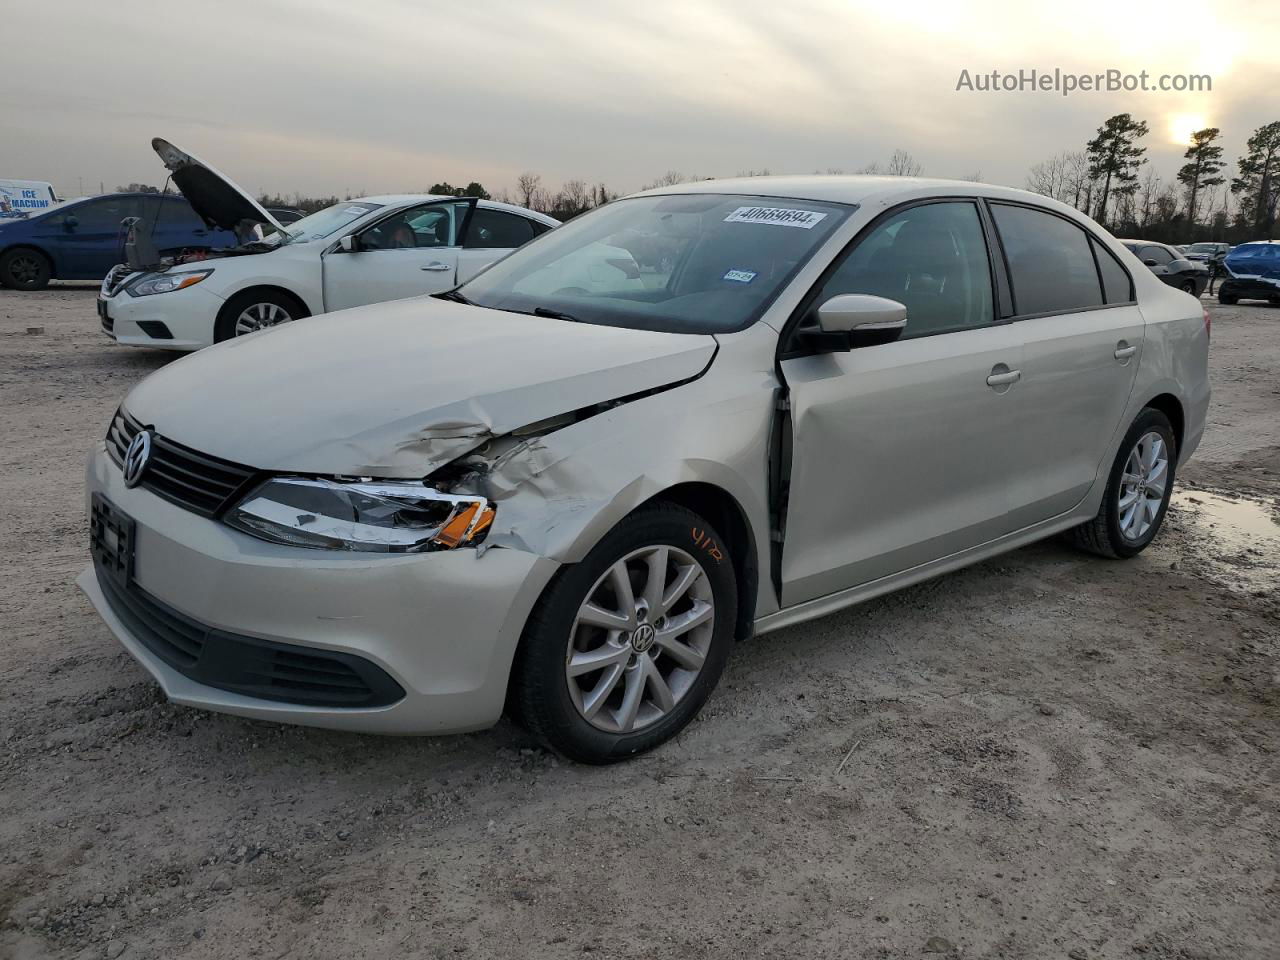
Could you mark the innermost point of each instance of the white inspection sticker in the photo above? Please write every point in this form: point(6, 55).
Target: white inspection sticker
point(740, 276)
point(778, 216)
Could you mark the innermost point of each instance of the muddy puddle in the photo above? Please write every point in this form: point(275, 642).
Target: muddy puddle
point(1238, 539)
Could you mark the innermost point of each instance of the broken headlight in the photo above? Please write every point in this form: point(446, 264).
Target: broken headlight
point(166, 283)
point(375, 516)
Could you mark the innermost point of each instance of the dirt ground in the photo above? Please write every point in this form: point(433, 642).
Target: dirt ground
point(1045, 755)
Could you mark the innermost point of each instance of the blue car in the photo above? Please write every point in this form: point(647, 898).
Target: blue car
point(83, 239)
point(1253, 273)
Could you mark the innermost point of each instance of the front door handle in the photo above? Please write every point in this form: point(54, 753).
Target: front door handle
point(1125, 350)
point(437, 266)
point(1002, 376)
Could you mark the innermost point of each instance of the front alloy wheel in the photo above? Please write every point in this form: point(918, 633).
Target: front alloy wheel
point(640, 639)
point(625, 646)
point(260, 316)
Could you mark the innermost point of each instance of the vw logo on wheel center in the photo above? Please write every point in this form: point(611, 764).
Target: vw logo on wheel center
point(136, 458)
point(643, 638)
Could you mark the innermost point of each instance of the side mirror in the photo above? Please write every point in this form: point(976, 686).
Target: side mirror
point(70, 223)
point(853, 320)
point(349, 244)
point(1151, 263)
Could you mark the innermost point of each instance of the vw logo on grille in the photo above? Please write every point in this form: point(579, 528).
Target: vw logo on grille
point(136, 458)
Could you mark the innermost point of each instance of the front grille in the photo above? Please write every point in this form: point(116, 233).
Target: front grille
point(265, 669)
point(196, 481)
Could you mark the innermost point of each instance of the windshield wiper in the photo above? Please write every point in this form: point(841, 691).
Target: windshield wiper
point(454, 296)
point(555, 314)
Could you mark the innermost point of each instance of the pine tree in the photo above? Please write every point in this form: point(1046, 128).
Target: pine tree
point(1114, 158)
point(1204, 167)
point(1258, 181)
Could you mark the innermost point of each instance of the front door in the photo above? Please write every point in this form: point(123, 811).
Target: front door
point(406, 254)
point(900, 451)
point(87, 239)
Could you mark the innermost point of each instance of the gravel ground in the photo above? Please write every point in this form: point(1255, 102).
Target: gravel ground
point(1045, 755)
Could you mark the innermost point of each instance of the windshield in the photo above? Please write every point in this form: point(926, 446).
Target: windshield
point(326, 222)
point(688, 263)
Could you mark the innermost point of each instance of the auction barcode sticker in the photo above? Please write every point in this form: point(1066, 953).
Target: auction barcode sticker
point(778, 216)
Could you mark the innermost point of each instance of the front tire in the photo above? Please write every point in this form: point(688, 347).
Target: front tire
point(1189, 287)
point(25, 269)
point(255, 310)
point(1227, 300)
point(1138, 490)
point(624, 647)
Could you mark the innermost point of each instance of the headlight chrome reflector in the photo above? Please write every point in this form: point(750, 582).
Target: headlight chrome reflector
point(373, 516)
point(166, 283)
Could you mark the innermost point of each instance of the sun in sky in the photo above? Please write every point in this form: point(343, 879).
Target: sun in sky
point(1183, 125)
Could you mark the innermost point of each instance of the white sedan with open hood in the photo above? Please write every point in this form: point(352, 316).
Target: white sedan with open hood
point(568, 499)
point(353, 253)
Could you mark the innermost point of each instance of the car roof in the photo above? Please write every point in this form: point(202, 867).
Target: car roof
point(855, 189)
point(398, 199)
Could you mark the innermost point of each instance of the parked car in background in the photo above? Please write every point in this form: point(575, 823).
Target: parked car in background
point(572, 499)
point(1252, 273)
point(20, 199)
point(352, 253)
point(83, 239)
point(1207, 252)
point(1170, 265)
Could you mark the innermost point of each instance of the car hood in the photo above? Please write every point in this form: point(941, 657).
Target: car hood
point(218, 201)
point(398, 389)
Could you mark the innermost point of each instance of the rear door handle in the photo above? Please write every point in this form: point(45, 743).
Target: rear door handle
point(1004, 379)
point(437, 266)
point(1124, 351)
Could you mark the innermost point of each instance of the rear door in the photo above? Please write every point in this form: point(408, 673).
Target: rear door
point(405, 254)
point(491, 235)
point(1082, 333)
point(901, 451)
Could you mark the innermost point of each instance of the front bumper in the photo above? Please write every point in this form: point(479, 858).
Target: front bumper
point(1249, 289)
point(188, 315)
point(444, 626)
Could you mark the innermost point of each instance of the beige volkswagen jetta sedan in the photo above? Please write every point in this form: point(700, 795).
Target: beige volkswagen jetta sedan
point(695, 414)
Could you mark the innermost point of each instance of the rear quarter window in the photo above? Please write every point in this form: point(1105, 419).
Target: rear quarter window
point(1051, 265)
point(1117, 286)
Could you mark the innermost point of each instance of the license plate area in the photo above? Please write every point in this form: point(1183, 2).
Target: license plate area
point(111, 540)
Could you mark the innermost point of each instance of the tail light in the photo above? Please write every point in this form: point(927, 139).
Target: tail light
point(1208, 323)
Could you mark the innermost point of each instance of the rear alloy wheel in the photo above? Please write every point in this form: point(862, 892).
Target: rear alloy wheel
point(252, 311)
point(624, 647)
point(1189, 287)
point(1138, 490)
point(25, 269)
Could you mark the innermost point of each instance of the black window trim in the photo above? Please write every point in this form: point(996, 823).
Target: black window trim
point(1089, 234)
point(533, 226)
point(789, 346)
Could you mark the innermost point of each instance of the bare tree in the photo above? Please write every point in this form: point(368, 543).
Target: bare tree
point(872, 168)
point(902, 164)
point(1148, 191)
point(527, 186)
point(573, 199)
point(668, 179)
point(975, 177)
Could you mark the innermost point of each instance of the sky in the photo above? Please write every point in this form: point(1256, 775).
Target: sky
point(369, 96)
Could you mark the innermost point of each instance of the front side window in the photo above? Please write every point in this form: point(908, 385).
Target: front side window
point(430, 225)
point(494, 228)
point(1051, 267)
point(931, 258)
point(683, 263)
point(104, 214)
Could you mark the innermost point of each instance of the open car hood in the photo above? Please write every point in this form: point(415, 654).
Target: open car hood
point(218, 201)
point(395, 390)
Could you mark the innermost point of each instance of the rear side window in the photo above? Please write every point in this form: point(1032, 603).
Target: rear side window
point(493, 228)
point(1159, 254)
point(1116, 285)
point(1051, 267)
point(933, 259)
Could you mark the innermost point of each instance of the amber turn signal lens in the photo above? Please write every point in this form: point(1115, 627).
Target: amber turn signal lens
point(464, 526)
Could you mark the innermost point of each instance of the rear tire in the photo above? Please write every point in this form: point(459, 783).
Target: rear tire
point(598, 690)
point(1120, 529)
point(254, 310)
point(25, 269)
